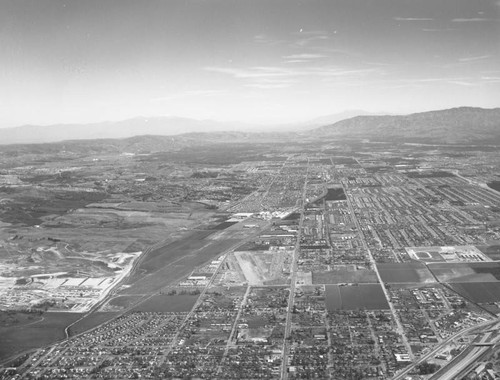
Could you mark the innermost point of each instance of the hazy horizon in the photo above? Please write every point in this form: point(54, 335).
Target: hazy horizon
point(259, 62)
point(303, 122)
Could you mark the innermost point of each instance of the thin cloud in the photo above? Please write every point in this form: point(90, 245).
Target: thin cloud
point(472, 59)
point(304, 32)
point(472, 19)
point(263, 39)
point(413, 19)
point(262, 77)
point(329, 51)
point(345, 73)
point(186, 94)
point(272, 77)
point(490, 79)
point(373, 63)
point(253, 72)
point(307, 37)
point(268, 86)
point(434, 80)
point(461, 83)
point(301, 42)
point(305, 56)
point(436, 30)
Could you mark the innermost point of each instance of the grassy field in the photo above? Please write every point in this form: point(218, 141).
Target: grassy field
point(168, 303)
point(363, 296)
point(38, 334)
point(91, 321)
point(18, 319)
point(121, 302)
point(177, 249)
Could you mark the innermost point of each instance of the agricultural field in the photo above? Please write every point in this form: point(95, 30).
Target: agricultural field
point(492, 251)
point(335, 194)
point(398, 273)
point(480, 292)
point(348, 274)
point(362, 296)
point(470, 272)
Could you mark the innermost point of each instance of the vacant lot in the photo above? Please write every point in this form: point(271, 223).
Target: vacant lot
point(363, 296)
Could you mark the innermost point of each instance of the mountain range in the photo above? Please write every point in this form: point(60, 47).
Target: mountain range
point(162, 126)
point(452, 126)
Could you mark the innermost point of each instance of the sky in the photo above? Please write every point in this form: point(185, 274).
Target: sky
point(254, 61)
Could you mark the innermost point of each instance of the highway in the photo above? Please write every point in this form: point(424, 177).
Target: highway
point(463, 363)
point(459, 365)
point(440, 346)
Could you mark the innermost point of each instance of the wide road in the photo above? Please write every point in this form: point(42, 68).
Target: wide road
point(373, 263)
point(293, 279)
point(440, 346)
point(456, 369)
point(463, 363)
